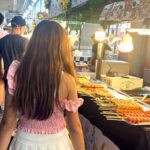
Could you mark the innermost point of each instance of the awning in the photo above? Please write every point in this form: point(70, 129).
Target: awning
point(126, 10)
point(57, 6)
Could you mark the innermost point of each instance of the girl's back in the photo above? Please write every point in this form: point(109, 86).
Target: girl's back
point(42, 88)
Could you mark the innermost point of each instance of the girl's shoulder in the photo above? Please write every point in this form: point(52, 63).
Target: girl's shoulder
point(67, 77)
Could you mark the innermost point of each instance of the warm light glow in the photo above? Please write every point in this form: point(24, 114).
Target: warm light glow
point(68, 29)
point(77, 53)
point(125, 47)
point(72, 39)
point(140, 31)
point(134, 30)
point(64, 24)
point(144, 32)
point(100, 36)
point(126, 44)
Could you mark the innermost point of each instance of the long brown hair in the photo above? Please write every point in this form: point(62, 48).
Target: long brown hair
point(38, 76)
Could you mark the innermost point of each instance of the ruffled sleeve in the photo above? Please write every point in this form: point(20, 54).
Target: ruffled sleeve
point(11, 76)
point(72, 106)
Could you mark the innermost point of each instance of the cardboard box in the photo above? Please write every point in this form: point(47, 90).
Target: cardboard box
point(117, 66)
point(123, 83)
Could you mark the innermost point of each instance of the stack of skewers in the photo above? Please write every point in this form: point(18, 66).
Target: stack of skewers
point(128, 109)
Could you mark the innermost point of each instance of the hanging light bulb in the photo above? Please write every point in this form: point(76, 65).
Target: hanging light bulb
point(126, 44)
point(125, 47)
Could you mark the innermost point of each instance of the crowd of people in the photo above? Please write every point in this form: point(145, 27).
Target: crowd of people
point(41, 100)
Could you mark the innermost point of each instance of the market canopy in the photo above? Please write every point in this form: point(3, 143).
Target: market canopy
point(126, 10)
point(60, 6)
point(78, 10)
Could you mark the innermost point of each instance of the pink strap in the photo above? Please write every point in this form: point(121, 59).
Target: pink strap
point(72, 106)
point(11, 76)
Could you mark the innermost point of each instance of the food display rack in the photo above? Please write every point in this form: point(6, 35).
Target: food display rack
point(116, 105)
point(126, 135)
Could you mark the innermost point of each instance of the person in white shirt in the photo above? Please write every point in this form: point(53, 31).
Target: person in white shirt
point(2, 32)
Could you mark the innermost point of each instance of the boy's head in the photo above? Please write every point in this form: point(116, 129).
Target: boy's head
point(1, 18)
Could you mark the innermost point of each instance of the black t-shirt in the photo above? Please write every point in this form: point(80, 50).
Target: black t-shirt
point(11, 48)
point(94, 51)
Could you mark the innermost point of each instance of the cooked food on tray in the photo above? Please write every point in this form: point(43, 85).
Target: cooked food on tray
point(125, 108)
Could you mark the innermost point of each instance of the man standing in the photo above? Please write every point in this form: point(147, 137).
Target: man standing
point(92, 61)
point(12, 45)
point(2, 34)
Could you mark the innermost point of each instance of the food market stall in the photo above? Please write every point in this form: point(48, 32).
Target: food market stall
point(123, 119)
point(135, 12)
